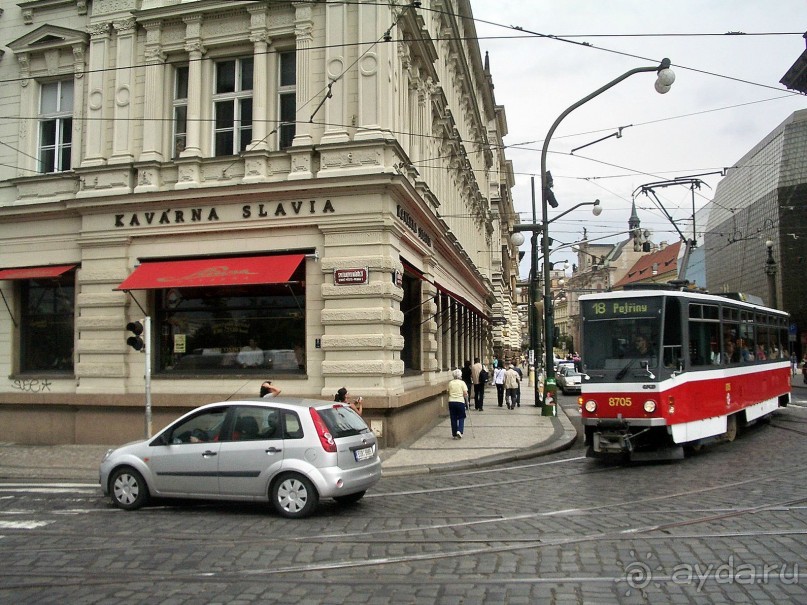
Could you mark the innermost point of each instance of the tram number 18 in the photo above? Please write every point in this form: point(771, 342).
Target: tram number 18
point(620, 402)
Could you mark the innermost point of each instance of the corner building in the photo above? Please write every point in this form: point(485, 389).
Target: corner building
point(313, 193)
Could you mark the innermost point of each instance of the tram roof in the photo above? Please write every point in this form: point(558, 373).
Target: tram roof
point(657, 292)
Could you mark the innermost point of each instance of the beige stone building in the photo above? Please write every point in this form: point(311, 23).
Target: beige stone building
point(311, 193)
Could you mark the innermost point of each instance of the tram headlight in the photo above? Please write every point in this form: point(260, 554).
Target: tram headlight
point(649, 406)
point(591, 406)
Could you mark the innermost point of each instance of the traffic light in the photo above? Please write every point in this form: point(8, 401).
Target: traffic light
point(135, 341)
point(548, 193)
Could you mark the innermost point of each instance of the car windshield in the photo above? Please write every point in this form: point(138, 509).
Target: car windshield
point(342, 421)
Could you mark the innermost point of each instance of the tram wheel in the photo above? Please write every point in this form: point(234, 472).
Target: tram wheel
point(731, 428)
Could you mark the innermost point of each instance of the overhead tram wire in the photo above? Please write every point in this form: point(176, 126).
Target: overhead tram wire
point(384, 38)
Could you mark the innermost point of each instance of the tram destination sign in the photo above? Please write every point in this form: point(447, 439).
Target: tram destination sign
point(622, 308)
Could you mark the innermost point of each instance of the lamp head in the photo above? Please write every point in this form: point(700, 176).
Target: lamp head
point(665, 78)
point(597, 209)
point(517, 238)
point(769, 244)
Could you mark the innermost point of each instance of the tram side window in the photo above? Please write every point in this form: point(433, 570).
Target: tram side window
point(763, 349)
point(672, 346)
point(784, 338)
point(747, 340)
point(704, 343)
point(704, 335)
point(731, 347)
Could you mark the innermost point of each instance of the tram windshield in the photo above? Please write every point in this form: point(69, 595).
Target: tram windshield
point(619, 334)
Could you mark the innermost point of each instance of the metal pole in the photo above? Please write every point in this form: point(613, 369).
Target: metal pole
point(534, 298)
point(550, 387)
point(147, 342)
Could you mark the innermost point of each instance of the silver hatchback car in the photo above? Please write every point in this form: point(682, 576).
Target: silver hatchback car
point(290, 452)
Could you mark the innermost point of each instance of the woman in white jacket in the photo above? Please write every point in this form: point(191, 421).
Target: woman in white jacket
point(498, 380)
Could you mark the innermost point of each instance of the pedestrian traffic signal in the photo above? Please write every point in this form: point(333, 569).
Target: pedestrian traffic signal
point(135, 341)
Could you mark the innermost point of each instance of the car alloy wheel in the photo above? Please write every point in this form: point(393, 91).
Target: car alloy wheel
point(294, 496)
point(128, 488)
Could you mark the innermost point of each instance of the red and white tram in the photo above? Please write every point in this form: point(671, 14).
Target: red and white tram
point(666, 368)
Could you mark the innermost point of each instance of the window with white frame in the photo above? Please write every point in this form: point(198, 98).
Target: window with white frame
point(180, 109)
point(232, 106)
point(287, 98)
point(55, 126)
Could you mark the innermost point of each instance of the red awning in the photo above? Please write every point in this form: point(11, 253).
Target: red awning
point(208, 272)
point(36, 272)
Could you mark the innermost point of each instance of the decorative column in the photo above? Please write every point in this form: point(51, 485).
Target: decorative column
point(79, 109)
point(301, 148)
point(256, 161)
point(155, 81)
point(26, 133)
point(370, 63)
point(260, 87)
point(190, 171)
point(304, 36)
point(122, 123)
point(430, 345)
point(96, 115)
point(335, 65)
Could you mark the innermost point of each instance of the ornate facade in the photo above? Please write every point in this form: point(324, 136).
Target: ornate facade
point(323, 182)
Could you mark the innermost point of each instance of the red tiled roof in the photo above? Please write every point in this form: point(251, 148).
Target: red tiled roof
point(666, 261)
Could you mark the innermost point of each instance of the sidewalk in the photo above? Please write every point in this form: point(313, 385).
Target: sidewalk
point(492, 436)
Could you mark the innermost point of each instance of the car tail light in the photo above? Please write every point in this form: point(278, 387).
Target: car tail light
point(325, 437)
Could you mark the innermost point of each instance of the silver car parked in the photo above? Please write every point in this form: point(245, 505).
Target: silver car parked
point(290, 452)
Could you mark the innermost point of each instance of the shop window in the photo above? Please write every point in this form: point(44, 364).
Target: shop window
point(55, 126)
point(46, 326)
point(232, 106)
point(180, 109)
point(411, 327)
point(287, 97)
point(232, 330)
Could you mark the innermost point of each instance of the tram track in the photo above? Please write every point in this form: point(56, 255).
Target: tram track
point(485, 520)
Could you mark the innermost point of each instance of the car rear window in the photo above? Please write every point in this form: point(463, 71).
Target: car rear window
point(342, 421)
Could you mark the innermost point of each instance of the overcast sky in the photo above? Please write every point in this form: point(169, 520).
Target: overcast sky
point(725, 99)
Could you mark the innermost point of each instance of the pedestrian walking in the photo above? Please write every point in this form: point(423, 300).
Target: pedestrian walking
point(466, 374)
point(484, 375)
point(476, 371)
point(457, 403)
point(518, 389)
point(794, 364)
point(498, 380)
point(511, 383)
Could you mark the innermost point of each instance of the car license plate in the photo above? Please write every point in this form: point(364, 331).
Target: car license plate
point(364, 453)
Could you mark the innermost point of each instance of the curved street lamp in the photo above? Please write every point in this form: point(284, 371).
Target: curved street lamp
point(664, 80)
point(770, 271)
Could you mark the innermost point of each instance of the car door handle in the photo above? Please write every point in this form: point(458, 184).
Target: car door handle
point(273, 450)
point(208, 453)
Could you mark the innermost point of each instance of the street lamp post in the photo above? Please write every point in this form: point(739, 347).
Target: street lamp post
point(664, 81)
point(517, 238)
point(770, 271)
